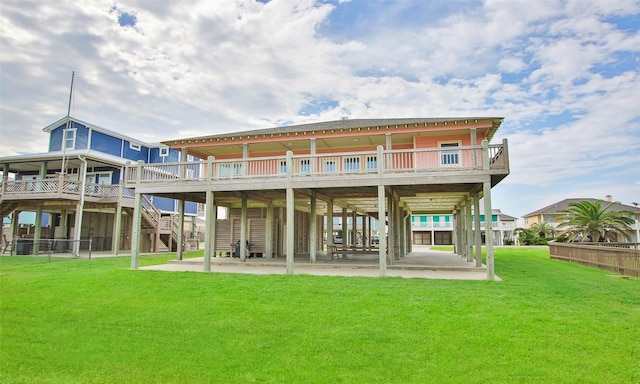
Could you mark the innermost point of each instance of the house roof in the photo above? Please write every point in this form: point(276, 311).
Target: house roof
point(94, 127)
point(331, 134)
point(562, 205)
point(33, 161)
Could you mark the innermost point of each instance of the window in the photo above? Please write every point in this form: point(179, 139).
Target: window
point(351, 164)
point(305, 166)
point(70, 138)
point(283, 167)
point(372, 163)
point(329, 166)
point(448, 156)
point(230, 169)
point(164, 151)
point(135, 147)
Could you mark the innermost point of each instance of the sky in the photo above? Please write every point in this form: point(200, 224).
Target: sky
point(565, 75)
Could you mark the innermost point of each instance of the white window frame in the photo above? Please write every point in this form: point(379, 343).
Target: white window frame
point(66, 139)
point(450, 157)
point(163, 151)
point(135, 147)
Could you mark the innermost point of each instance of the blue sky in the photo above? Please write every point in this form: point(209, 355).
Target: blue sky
point(564, 74)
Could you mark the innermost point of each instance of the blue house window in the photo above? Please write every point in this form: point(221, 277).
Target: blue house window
point(372, 163)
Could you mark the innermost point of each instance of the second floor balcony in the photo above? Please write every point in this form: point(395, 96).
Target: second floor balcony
point(325, 170)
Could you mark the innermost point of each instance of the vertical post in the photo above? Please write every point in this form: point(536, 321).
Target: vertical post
point(117, 222)
point(136, 230)
point(382, 232)
point(345, 227)
point(243, 228)
point(135, 236)
point(330, 227)
point(474, 142)
point(210, 230)
point(313, 235)
point(37, 230)
point(488, 230)
point(290, 214)
point(477, 232)
point(180, 239)
point(382, 238)
point(469, 230)
point(269, 231)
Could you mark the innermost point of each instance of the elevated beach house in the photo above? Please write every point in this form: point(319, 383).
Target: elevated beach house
point(77, 194)
point(282, 186)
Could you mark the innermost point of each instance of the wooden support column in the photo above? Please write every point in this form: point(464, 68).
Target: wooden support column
point(468, 230)
point(291, 210)
point(210, 217)
point(269, 231)
point(313, 222)
point(137, 222)
point(180, 239)
point(290, 229)
point(329, 222)
point(345, 226)
point(391, 244)
point(382, 251)
point(243, 228)
point(37, 230)
point(117, 222)
point(382, 238)
point(477, 232)
point(488, 229)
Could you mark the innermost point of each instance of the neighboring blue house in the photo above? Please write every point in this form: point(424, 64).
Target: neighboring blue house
point(45, 189)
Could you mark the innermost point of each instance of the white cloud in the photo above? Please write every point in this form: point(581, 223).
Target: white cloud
point(563, 73)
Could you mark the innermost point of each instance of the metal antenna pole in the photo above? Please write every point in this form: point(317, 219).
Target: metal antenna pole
point(63, 169)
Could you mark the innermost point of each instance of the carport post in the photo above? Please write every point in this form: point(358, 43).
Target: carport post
point(382, 238)
point(290, 214)
point(477, 232)
point(210, 230)
point(488, 227)
point(313, 235)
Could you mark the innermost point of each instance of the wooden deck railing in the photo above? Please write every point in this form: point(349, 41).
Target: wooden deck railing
point(60, 188)
point(348, 164)
point(623, 258)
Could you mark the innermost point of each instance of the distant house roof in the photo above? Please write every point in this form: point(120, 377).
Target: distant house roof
point(562, 205)
point(350, 124)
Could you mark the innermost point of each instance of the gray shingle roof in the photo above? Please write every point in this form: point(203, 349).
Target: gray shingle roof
point(564, 204)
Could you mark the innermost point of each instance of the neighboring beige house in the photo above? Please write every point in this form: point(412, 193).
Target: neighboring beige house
point(553, 214)
point(283, 186)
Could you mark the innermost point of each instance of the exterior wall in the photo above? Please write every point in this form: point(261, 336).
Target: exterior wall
point(106, 143)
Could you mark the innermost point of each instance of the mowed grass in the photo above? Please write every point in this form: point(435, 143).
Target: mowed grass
point(97, 321)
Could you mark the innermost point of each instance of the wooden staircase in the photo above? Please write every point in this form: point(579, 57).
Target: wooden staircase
point(164, 227)
point(6, 207)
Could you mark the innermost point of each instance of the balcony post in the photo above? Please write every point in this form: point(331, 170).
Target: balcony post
point(485, 156)
point(5, 178)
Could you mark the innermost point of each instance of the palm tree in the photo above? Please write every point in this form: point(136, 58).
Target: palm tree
point(588, 221)
point(543, 229)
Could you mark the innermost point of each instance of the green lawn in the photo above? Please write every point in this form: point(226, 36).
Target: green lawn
point(96, 321)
